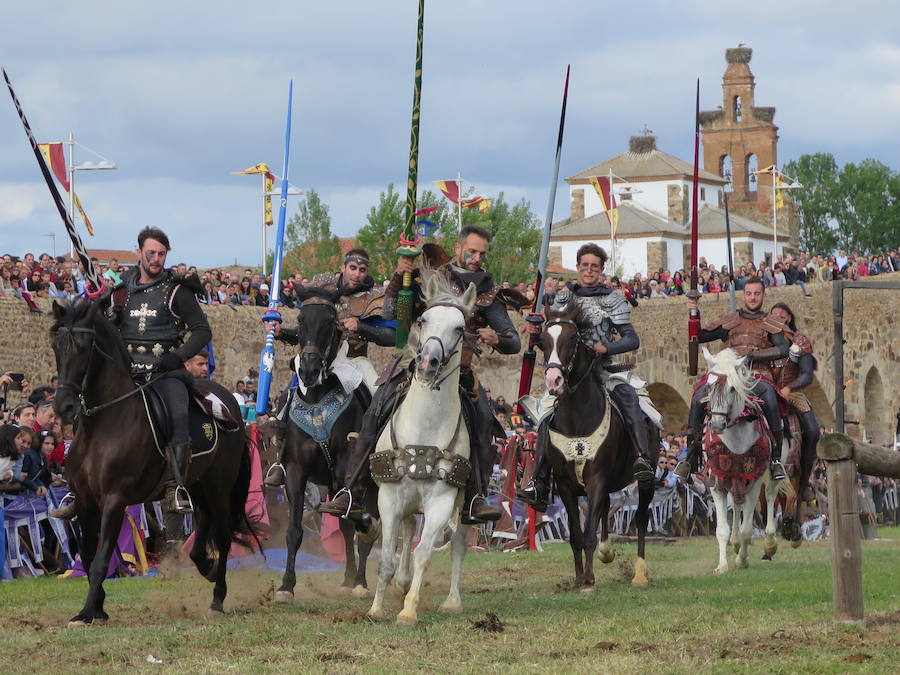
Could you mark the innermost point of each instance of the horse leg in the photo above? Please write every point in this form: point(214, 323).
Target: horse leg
point(576, 536)
point(642, 519)
point(458, 547)
point(723, 531)
point(746, 529)
point(592, 523)
point(110, 524)
point(348, 529)
point(199, 553)
point(295, 485)
point(361, 587)
point(222, 539)
point(771, 545)
point(403, 575)
point(438, 510)
point(389, 507)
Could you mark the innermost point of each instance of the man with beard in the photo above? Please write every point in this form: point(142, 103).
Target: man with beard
point(154, 309)
point(491, 325)
point(360, 316)
point(753, 333)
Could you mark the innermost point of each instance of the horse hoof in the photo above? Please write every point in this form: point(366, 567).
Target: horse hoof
point(376, 614)
point(450, 607)
point(796, 544)
point(345, 590)
point(766, 556)
point(79, 622)
point(284, 597)
point(215, 610)
point(640, 582)
point(360, 591)
point(720, 570)
point(741, 564)
point(607, 557)
point(589, 588)
point(407, 620)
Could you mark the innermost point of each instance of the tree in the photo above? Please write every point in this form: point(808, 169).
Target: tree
point(817, 201)
point(869, 207)
point(381, 236)
point(309, 245)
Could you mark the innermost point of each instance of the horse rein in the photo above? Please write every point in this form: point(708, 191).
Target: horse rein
point(579, 342)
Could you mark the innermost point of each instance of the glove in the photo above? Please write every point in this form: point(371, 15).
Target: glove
point(170, 361)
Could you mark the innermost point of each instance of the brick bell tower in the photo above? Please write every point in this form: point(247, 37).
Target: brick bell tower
point(740, 138)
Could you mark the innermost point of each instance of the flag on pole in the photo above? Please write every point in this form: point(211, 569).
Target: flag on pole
point(87, 221)
point(607, 201)
point(56, 160)
point(270, 183)
point(779, 181)
point(262, 167)
point(449, 188)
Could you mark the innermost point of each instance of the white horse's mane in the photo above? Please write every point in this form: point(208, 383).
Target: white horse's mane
point(443, 292)
point(731, 366)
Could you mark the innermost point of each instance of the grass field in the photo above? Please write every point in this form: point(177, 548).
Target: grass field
point(773, 617)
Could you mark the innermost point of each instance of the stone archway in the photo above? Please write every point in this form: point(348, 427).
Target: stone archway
point(876, 417)
point(821, 405)
point(671, 404)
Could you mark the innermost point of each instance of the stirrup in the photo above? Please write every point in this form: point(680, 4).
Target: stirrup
point(683, 469)
point(346, 514)
point(776, 468)
point(182, 495)
point(269, 472)
point(66, 503)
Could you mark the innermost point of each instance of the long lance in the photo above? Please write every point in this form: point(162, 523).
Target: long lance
point(694, 314)
point(535, 317)
point(94, 279)
point(732, 300)
point(409, 241)
point(267, 356)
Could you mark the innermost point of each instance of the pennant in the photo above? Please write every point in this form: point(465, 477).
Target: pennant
point(262, 167)
point(430, 209)
point(607, 200)
point(426, 227)
point(449, 188)
point(56, 160)
point(484, 205)
point(779, 181)
point(270, 183)
point(87, 221)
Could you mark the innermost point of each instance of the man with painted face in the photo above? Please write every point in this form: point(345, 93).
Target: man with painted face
point(154, 309)
point(753, 333)
point(491, 325)
point(605, 326)
point(361, 317)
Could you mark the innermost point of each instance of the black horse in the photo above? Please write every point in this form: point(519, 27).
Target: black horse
point(322, 459)
point(114, 460)
point(585, 421)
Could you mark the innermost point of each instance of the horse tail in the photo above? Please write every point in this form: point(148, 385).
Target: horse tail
point(783, 486)
point(240, 490)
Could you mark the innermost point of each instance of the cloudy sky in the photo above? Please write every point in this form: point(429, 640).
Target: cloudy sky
point(180, 95)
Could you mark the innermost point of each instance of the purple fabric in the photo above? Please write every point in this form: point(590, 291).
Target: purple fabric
point(124, 545)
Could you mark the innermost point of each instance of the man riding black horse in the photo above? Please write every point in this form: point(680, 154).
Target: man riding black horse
point(491, 325)
point(749, 332)
point(361, 317)
point(604, 315)
point(154, 310)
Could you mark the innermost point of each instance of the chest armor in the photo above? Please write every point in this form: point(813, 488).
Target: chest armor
point(361, 306)
point(786, 370)
point(459, 282)
point(148, 327)
point(747, 335)
point(595, 322)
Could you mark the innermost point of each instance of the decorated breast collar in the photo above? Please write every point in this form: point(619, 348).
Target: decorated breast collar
point(582, 449)
point(318, 419)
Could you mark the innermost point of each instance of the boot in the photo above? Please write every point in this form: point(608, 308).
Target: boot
point(347, 503)
point(476, 511)
point(179, 457)
point(537, 492)
point(776, 467)
point(67, 509)
point(275, 474)
point(689, 464)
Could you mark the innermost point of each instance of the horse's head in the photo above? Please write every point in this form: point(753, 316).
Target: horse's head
point(442, 327)
point(318, 336)
point(560, 341)
point(72, 336)
point(729, 387)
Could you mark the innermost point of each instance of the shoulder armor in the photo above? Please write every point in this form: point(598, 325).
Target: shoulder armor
point(726, 321)
point(773, 325)
point(487, 298)
point(616, 306)
point(803, 342)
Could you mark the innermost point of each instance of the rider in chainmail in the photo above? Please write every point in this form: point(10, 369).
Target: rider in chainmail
point(605, 326)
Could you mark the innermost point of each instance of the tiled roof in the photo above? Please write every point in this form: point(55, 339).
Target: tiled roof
point(646, 165)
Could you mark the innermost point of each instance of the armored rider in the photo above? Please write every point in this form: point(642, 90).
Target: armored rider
point(490, 325)
point(162, 326)
point(791, 376)
point(605, 316)
point(361, 318)
point(749, 332)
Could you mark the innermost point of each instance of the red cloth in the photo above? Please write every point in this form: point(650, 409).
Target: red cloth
point(736, 472)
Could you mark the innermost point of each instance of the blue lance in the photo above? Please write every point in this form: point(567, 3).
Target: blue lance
point(267, 356)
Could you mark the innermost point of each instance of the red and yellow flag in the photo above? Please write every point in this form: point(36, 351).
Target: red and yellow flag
point(262, 167)
point(603, 187)
point(56, 160)
point(87, 221)
point(449, 188)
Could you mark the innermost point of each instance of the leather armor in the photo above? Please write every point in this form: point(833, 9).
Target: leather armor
point(745, 334)
point(362, 305)
point(785, 371)
point(148, 326)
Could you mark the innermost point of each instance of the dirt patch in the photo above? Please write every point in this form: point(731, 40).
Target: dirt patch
point(566, 586)
point(606, 646)
point(334, 656)
point(491, 623)
point(858, 658)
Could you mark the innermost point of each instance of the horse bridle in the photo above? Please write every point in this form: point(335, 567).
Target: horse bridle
point(728, 421)
point(579, 342)
point(445, 355)
point(313, 349)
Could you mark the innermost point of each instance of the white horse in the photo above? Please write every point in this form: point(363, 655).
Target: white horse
point(729, 389)
point(426, 445)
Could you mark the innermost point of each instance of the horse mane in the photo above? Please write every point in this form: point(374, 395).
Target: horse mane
point(69, 313)
point(725, 363)
point(446, 294)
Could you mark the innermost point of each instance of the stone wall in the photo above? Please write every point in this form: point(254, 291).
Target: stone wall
point(871, 352)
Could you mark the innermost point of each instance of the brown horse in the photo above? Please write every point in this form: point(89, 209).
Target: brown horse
point(588, 445)
point(114, 460)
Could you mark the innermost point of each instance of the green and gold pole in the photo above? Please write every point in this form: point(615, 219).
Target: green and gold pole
point(409, 241)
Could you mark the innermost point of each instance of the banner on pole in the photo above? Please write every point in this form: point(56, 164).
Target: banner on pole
point(270, 184)
point(56, 160)
point(87, 221)
point(607, 200)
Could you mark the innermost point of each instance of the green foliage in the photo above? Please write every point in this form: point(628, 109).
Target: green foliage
point(381, 236)
point(309, 245)
point(856, 207)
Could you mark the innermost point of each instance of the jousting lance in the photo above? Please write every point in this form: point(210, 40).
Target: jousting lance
point(409, 239)
point(694, 314)
point(96, 283)
point(267, 356)
point(535, 317)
